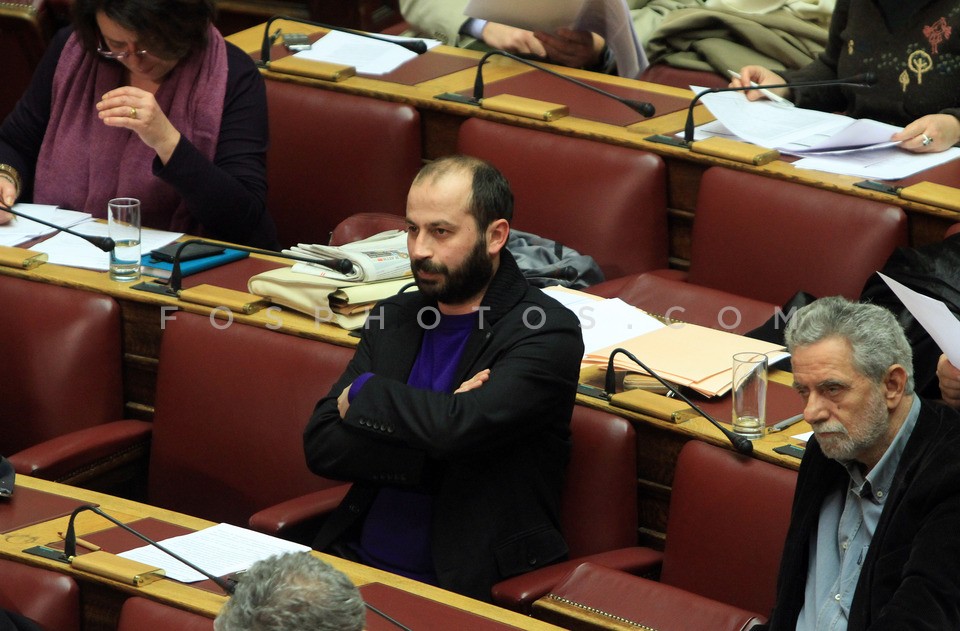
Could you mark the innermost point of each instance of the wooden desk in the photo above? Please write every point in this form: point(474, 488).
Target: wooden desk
point(441, 120)
point(102, 598)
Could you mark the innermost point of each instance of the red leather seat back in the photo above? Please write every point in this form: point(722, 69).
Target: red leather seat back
point(49, 598)
point(26, 27)
point(231, 407)
point(767, 239)
point(363, 225)
point(140, 614)
point(599, 510)
point(61, 368)
point(333, 155)
point(602, 200)
point(728, 520)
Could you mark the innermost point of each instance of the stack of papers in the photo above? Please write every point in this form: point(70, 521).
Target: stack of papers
point(828, 142)
point(67, 249)
point(684, 354)
point(20, 230)
point(220, 550)
point(366, 54)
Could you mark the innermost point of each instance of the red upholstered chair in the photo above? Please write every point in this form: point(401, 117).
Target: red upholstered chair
point(728, 520)
point(602, 200)
point(333, 155)
point(683, 78)
point(952, 230)
point(140, 614)
point(49, 598)
point(599, 597)
point(25, 29)
point(62, 376)
point(232, 403)
point(363, 225)
point(757, 241)
point(599, 510)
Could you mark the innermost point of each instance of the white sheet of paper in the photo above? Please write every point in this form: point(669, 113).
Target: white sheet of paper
point(66, 249)
point(804, 436)
point(219, 550)
point(792, 129)
point(366, 54)
point(933, 315)
point(20, 230)
point(612, 321)
point(891, 163)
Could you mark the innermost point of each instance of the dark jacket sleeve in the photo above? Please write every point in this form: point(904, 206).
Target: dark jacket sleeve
point(228, 195)
point(392, 428)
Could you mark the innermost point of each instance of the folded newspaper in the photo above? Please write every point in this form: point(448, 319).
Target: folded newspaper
point(376, 258)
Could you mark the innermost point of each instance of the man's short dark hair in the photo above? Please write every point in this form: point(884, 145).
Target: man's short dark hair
point(491, 197)
point(170, 29)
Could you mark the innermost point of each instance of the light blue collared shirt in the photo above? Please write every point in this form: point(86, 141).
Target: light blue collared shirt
point(839, 545)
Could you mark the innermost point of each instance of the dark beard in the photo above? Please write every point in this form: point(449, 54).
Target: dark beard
point(460, 284)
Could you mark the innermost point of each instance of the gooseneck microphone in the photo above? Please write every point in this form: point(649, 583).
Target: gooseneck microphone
point(417, 46)
point(104, 243)
point(70, 545)
point(741, 444)
point(864, 80)
point(641, 107)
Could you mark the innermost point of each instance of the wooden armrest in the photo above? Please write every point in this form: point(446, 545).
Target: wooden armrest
point(299, 519)
point(89, 457)
point(519, 592)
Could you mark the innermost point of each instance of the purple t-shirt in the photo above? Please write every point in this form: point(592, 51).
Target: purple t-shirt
point(396, 534)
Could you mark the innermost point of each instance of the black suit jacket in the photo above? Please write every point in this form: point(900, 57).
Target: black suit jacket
point(494, 458)
point(910, 578)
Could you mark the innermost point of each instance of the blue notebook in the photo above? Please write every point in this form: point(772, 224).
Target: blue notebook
point(161, 269)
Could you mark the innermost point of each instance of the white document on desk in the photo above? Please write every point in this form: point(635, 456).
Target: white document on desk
point(891, 163)
point(604, 322)
point(72, 251)
point(608, 18)
point(366, 54)
point(219, 550)
point(794, 129)
point(20, 230)
point(933, 315)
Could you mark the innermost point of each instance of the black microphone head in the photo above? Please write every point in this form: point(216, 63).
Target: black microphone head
point(416, 46)
point(741, 444)
point(104, 243)
point(640, 107)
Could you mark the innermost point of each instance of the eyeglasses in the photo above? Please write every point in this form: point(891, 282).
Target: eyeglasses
point(105, 51)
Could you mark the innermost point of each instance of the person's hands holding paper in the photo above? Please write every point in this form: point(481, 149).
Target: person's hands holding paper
point(949, 376)
point(576, 49)
point(513, 40)
point(759, 76)
point(929, 134)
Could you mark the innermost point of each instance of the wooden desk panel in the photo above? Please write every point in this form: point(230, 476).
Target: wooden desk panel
point(102, 598)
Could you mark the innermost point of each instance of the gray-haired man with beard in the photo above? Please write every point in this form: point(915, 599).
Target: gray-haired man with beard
point(452, 419)
point(874, 539)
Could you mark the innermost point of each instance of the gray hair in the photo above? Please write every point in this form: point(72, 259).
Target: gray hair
point(293, 591)
point(877, 339)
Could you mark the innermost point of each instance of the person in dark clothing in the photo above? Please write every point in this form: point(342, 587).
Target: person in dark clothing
point(453, 418)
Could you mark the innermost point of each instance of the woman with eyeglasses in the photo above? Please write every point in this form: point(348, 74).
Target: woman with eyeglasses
point(145, 99)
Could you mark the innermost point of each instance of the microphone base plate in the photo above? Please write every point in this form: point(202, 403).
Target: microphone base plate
point(156, 288)
point(673, 141)
point(48, 553)
point(458, 98)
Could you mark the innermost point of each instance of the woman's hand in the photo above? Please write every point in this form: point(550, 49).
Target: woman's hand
point(929, 134)
point(138, 111)
point(760, 76)
point(513, 40)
